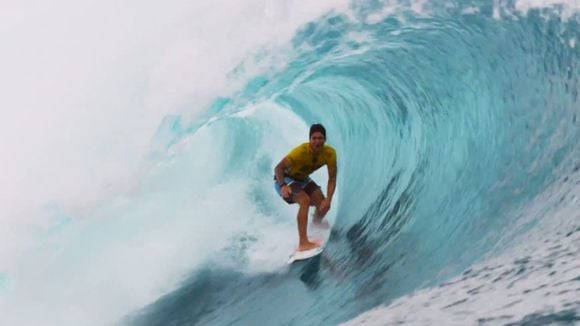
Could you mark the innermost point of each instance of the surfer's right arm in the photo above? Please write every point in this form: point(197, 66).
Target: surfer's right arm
point(279, 171)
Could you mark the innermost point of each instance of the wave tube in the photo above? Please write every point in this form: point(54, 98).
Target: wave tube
point(456, 130)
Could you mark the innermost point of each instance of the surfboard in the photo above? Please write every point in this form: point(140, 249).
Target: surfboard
point(302, 255)
point(317, 233)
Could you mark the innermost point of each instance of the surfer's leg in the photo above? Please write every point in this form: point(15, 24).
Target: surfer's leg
point(303, 201)
point(316, 198)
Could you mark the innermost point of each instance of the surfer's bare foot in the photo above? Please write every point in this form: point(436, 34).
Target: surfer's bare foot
point(308, 246)
point(320, 223)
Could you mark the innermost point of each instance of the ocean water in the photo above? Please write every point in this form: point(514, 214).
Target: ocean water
point(139, 141)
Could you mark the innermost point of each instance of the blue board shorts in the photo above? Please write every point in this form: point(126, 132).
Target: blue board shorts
point(308, 185)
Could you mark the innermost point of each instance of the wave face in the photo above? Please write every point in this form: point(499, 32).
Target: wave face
point(456, 126)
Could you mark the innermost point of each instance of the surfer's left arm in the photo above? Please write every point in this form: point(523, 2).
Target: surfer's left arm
point(332, 169)
point(331, 183)
point(332, 165)
point(326, 202)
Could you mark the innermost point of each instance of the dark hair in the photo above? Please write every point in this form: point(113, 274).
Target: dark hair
point(317, 127)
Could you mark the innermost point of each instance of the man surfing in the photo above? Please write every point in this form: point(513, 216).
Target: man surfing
point(293, 183)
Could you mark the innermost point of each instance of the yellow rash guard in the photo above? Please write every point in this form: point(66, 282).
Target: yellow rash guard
point(305, 161)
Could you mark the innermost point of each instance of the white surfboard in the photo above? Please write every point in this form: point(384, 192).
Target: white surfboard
point(317, 233)
point(302, 255)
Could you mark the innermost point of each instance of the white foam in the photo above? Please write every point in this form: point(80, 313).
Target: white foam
point(569, 7)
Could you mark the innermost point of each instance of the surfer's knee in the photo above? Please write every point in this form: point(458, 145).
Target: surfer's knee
point(302, 199)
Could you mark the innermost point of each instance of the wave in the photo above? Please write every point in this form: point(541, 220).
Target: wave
point(456, 130)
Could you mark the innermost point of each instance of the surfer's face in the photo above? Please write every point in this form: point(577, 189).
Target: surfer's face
point(317, 141)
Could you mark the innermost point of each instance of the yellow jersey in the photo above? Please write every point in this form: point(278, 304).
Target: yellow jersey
point(304, 161)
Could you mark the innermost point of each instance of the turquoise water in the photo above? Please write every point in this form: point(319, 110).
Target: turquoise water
point(452, 126)
point(458, 198)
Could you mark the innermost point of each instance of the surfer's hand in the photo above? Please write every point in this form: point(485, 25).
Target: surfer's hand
point(324, 207)
point(286, 191)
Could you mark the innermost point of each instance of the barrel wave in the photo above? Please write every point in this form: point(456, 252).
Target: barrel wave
point(457, 132)
point(456, 129)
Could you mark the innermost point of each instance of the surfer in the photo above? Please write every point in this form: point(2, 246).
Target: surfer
point(292, 181)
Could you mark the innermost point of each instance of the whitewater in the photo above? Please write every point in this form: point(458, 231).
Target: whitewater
point(139, 139)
